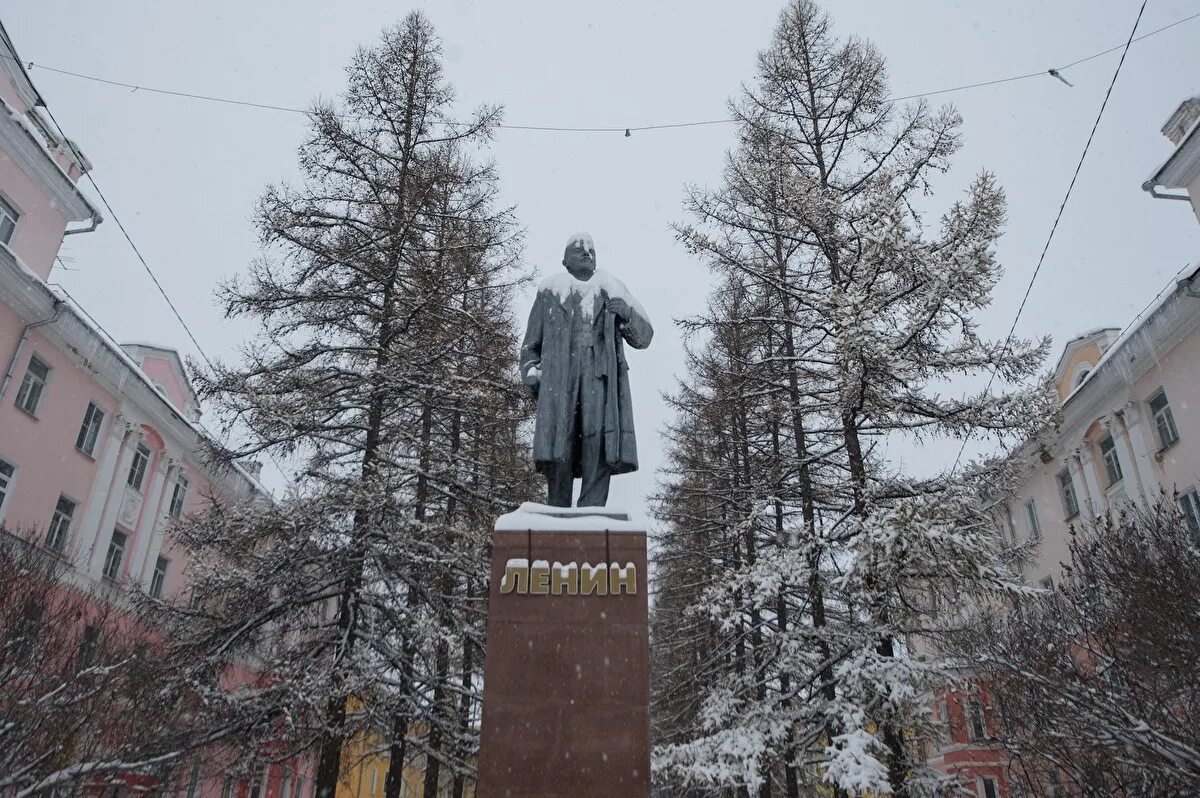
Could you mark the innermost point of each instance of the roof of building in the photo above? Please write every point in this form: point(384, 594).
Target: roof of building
point(11, 264)
point(138, 349)
point(1183, 164)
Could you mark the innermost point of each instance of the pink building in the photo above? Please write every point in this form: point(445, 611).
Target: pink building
point(1130, 431)
point(100, 447)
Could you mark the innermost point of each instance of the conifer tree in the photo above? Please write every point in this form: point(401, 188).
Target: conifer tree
point(862, 314)
point(385, 367)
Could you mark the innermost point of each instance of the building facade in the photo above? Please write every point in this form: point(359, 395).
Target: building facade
point(100, 444)
point(1130, 433)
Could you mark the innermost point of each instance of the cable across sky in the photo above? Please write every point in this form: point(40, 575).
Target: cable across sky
point(619, 129)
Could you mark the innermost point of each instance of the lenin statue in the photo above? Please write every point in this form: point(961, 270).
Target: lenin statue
point(573, 362)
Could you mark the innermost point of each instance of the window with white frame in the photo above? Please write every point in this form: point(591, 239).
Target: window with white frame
point(1112, 464)
point(137, 469)
point(7, 470)
point(30, 394)
point(159, 578)
point(89, 430)
point(60, 524)
point(975, 719)
point(1035, 526)
point(178, 496)
point(116, 552)
point(989, 787)
point(1066, 489)
point(285, 782)
point(8, 220)
point(1189, 503)
point(1164, 419)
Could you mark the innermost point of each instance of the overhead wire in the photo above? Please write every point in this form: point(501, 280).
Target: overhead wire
point(142, 259)
point(1004, 350)
point(621, 129)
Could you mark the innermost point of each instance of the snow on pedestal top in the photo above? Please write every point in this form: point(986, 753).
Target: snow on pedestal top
point(534, 517)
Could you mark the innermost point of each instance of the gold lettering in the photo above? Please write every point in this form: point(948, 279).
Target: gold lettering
point(539, 578)
point(516, 577)
point(564, 579)
point(593, 579)
point(619, 577)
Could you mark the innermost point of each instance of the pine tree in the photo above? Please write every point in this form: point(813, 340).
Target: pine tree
point(861, 316)
point(385, 367)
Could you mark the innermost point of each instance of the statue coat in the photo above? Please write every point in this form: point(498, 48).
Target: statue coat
point(579, 352)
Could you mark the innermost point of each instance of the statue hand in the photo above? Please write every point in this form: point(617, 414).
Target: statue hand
point(532, 379)
point(619, 307)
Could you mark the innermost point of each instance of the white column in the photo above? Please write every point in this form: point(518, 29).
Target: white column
point(1096, 500)
point(112, 508)
point(1132, 421)
point(102, 487)
point(151, 513)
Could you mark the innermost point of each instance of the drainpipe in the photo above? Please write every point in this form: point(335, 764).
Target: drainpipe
point(1152, 188)
point(95, 221)
point(12, 364)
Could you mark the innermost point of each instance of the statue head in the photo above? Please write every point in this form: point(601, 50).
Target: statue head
point(580, 256)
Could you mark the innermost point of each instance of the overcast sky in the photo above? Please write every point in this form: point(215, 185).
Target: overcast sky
point(184, 174)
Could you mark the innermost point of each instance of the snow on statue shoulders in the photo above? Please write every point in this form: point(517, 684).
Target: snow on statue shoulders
point(600, 285)
point(573, 364)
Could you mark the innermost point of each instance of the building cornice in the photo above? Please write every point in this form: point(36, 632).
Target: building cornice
point(107, 363)
point(34, 160)
point(1183, 167)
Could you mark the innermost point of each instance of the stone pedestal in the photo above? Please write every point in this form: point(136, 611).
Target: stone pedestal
point(566, 678)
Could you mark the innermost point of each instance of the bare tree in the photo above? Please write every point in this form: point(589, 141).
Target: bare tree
point(84, 695)
point(1095, 684)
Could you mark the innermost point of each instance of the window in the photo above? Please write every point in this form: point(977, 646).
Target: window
point(137, 470)
point(60, 524)
point(89, 646)
point(8, 220)
point(285, 783)
point(975, 713)
point(1112, 465)
point(89, 430)
point(1055, 780)
point(1189, 502)
point(1164, 420)
point(989, 788)
point(159, 577)
point(944, 711)
point(1066, 489)
point(21, 636)
point(116, 550)
point(374, 779)
point(227, 788)
point(32, 386)
point(178, 496)
point(1035, 527)
point(194, 779)
point(299, 793)
point(6, 478)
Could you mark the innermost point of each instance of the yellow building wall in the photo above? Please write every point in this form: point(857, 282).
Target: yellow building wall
point(1085, 354)
point(365, 765)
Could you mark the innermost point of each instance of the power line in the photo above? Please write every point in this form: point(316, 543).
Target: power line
point(132, 245)
point(571, 129)
point(1057, 218)
point(145, 265)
